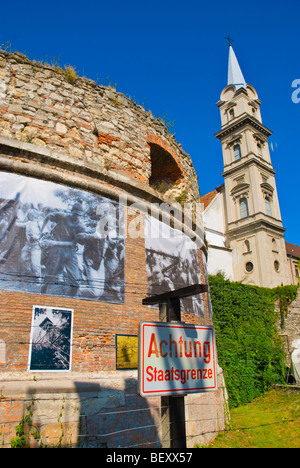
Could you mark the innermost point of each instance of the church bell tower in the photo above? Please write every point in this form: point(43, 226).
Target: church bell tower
point(254, 230)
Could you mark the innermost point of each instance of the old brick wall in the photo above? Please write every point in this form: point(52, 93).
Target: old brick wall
point(95, 323)
point(93, 138)
point(94, 405)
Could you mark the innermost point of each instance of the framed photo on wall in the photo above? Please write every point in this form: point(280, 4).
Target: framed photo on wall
point(50, 340)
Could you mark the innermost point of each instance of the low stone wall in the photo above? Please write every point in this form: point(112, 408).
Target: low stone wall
point(97, 410)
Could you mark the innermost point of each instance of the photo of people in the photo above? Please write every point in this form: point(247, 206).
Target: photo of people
point(60, 241)
point(172, 263)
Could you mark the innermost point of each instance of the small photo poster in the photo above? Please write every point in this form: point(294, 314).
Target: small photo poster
point(126, 352)
point(51, 340)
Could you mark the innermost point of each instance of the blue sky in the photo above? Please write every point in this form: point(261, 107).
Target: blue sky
point(171, 56)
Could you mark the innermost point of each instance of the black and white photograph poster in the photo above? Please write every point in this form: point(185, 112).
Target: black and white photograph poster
point(172, 263)
point(51, 340)
point(60, 241)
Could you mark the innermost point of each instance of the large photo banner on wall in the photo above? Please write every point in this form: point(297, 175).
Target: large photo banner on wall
point(172, 263)
point(53, 241)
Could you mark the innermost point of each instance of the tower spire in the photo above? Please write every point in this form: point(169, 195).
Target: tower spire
point(235, 75)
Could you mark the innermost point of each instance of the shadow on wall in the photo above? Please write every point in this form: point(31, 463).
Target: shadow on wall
point(88, 415)
point(119, 418)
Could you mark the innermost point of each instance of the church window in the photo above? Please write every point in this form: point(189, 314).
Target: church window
point(268, 206)
point(247, 246)
point(237, 152)
point(277, 266)
point(231, 114)
point(244, 209)
point(259, 150)
point(274, 245)
point(249, 267)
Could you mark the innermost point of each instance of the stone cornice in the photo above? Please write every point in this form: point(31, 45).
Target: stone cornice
point(251, 225)
point(241, 122)
point(246, 161)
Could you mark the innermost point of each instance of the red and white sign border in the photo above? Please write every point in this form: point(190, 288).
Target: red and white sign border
point(160, 391)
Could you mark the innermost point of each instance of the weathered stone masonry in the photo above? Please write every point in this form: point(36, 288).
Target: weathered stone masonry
point(92, 124)
point(93, 138)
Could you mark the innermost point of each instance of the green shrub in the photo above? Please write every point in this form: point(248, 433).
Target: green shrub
point(249, 348)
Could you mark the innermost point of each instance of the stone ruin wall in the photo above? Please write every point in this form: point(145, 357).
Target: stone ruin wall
point(94, 125)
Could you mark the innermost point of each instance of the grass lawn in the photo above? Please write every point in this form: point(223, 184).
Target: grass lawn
point(270, 421)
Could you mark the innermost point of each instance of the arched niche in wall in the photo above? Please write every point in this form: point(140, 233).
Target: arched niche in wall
point(164, 168)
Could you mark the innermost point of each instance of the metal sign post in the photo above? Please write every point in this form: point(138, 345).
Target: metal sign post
point(172, 407)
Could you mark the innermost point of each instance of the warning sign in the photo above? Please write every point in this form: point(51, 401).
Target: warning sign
point(176, 359)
